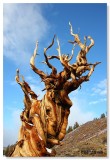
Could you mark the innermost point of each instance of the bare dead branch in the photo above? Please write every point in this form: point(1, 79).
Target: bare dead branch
point(32, 63)
point(54, 71)
point(91, 44)
point(70, 58)
point(63, 58)
point(54, 56)
point(92, 69)
point(76, 38)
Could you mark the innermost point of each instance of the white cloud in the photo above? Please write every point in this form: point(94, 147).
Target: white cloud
point(103, 92)
point(78, 115)
point(100, 88)
point(93, 102)
point(23, 25)
point(102, 84)
point(98, 101)
point(100, 92)
point(31, 79)
point(103, 99)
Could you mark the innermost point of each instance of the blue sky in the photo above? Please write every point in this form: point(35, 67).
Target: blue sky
point(26, 23)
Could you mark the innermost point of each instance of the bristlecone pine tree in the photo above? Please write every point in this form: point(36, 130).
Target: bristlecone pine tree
point(76, 125)
point(102, 115)
point(44, 121)
point(70, 128)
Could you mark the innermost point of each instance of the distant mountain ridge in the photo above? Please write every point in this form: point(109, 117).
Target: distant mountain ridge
point(88, 140)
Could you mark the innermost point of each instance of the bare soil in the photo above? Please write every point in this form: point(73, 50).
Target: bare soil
point(88, 140)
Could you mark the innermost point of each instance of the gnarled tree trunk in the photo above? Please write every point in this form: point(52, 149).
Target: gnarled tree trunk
point(44, 121)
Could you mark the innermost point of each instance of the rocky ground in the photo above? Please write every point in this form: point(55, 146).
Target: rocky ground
point(88, 140)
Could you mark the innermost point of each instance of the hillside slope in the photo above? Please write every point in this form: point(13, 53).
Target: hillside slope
point(88, 140)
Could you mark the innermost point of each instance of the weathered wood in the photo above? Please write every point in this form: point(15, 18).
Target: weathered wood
point(44, 121)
